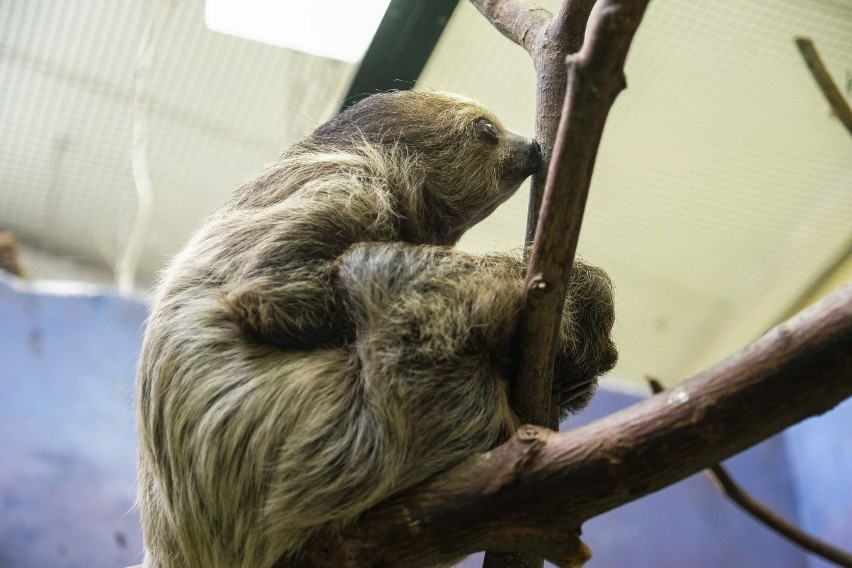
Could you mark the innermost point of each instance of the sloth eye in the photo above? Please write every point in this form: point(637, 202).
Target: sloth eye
point(487, 131)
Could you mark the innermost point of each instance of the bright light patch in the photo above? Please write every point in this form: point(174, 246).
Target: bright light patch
point(339, 29)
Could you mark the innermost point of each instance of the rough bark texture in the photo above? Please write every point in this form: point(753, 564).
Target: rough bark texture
point(549, 40)
point(531, 493)
point(592, 77)
point(562, 37)
point(595, 77)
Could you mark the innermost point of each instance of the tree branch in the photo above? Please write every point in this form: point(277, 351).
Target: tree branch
point(719, 476)
point(548, 40)
point(562, 37)
point(592, 79)
point(532, 493)
point(521, 21)
point(826, 84)
point(595, 77)
point(774, 521)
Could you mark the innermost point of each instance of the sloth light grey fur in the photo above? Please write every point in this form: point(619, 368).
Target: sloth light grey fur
point(319, 345)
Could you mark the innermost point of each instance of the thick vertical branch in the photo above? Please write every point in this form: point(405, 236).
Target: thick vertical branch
point(592, 79)
point(548, 39)
point(562, 37)
point(595, 77)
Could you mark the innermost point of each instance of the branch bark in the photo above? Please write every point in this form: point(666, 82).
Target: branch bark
point(592, 78)
point(549, 40)
point(532, 493)
point(585, 86)
point(595, 78)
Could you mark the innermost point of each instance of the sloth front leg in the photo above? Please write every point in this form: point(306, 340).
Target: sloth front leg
point(434, 303)
point(433, 329)
point(431, 311)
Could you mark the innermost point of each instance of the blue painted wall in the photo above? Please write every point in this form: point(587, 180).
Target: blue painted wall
point(67, 438)
point(67, 454)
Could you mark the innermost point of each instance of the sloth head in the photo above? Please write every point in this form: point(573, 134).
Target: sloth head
point(465, 162)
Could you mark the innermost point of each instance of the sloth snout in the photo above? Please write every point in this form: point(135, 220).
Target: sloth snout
point(534, 153)
point(522, 159)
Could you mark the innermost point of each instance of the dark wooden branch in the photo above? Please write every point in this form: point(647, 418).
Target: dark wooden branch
point(548, 46)
point(595, 78)
point(532, 493)
point(548, 40)
point(763, 514)
point(835, 98)
point(584, 86)
point(563, 36)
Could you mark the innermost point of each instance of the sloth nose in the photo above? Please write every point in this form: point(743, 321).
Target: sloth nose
point(534, 152)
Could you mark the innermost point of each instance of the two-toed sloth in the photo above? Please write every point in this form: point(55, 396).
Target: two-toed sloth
point(319, 345)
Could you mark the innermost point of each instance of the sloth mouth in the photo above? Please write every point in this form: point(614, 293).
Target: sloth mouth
point(516, 171)
point(524, 159)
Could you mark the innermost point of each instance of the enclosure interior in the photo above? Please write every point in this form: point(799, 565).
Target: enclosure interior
point(721, 204)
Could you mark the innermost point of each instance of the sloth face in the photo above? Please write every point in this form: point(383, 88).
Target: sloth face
point(517, 157)
point(468, 162)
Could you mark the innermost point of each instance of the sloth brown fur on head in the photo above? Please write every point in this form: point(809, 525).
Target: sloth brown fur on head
point(457, 161)
point(445, 134)
point(318, 346)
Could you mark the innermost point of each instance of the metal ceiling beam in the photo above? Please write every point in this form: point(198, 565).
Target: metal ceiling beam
point(403, 43)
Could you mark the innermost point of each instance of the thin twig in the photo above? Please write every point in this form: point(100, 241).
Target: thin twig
point(722, 480)
point(835, 98)
point(776, 522)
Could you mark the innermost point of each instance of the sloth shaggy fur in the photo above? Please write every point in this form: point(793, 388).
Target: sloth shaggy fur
point(319, 345)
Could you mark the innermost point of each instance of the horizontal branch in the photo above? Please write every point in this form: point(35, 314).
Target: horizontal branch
point(531, 493)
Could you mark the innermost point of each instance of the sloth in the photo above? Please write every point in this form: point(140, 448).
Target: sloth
point(319, 345)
